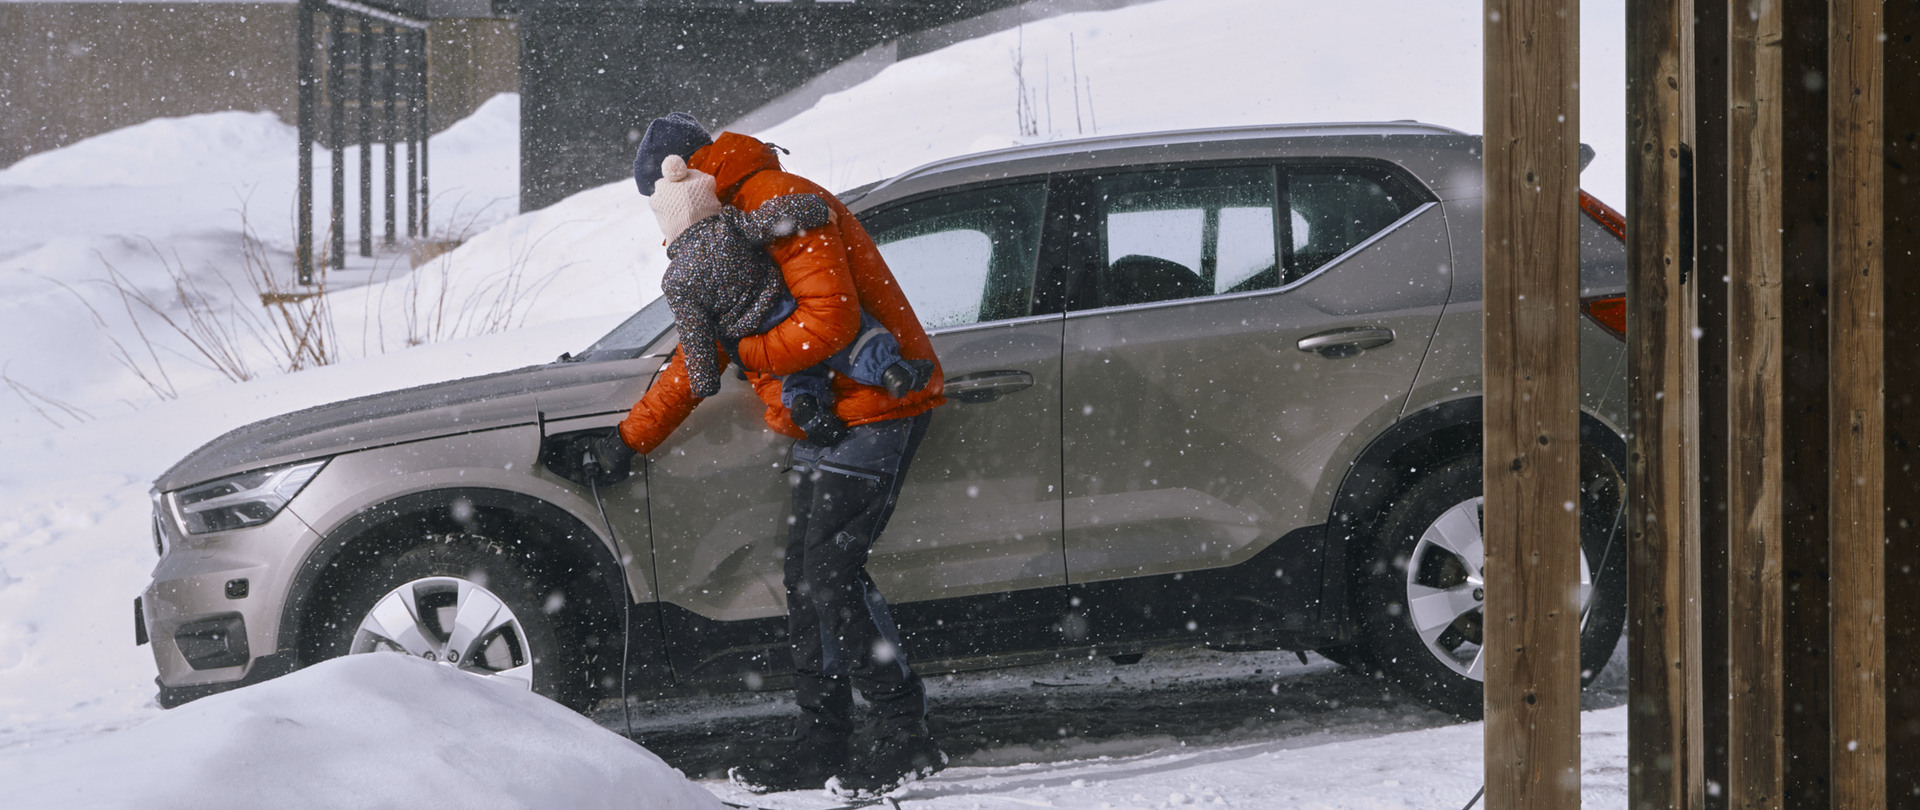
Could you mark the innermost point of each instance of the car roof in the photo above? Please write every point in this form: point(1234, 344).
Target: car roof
point(1381, 137)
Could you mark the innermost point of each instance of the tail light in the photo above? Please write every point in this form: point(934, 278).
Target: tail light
point(1610, 313)
point(1604, 214)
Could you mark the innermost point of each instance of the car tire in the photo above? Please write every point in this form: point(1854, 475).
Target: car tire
point(414, 602)
point(1351, 656)
point(1427, 543)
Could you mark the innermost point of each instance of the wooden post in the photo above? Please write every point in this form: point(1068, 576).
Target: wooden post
point(1902, 128)
point(337, 135)
point(1665, 742)
point(363, 39)
point(390, 46)
point(1532, 449)
point(1756, 771)
point(303, 245)
point(1856, 425)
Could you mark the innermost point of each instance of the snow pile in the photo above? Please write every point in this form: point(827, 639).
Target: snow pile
point(1182, 64)
point(171, 204)
point(362, 731)
point(229, 148)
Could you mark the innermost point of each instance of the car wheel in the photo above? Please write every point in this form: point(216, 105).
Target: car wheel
point(1351, 656)
point(1421, 589)
point(463, 602)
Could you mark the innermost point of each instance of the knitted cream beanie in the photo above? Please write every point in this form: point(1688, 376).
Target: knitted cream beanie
point(682, 197)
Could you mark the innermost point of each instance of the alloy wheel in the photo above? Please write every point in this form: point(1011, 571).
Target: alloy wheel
point(451, 621)
point(1446, 588)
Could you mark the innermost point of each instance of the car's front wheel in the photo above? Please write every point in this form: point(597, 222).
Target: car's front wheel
point(463, 602)
point(1422, 586)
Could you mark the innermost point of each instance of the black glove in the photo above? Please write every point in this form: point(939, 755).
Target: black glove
point(821, 425)
point(588, 458)
point(605, 458)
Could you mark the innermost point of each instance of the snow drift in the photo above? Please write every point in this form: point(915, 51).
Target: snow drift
point(364, 731)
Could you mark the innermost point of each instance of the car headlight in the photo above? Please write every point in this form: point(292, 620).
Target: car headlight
point(159, 519)
point(238, 501)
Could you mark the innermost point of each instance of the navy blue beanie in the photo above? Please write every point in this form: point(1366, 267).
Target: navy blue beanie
point(676, 134)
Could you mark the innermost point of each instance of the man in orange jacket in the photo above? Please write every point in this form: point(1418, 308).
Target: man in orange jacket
point(839, 629)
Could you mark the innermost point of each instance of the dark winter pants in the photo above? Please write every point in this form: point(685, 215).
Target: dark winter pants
point(838, 625)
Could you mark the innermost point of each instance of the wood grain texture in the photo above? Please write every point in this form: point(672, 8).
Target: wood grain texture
point(1757, 762)
point(1664, 740)
point(1532, 449)
point(1856, 424)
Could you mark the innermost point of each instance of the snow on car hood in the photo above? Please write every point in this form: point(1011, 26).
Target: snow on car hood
point(487, 402)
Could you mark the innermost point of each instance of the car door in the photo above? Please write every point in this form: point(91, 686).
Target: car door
point(979, 515)
point(976, 541)
point(1232, 332)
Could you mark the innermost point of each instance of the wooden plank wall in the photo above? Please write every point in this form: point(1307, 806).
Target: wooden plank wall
point(1532, 449)
point(1755, 778)
point(1822, 184)
point(1856, 420)
point(1665, 734)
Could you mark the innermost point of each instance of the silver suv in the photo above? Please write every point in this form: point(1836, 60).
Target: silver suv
point(1214, 388)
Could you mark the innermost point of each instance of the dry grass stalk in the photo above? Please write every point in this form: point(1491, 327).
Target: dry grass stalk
point(41, 403)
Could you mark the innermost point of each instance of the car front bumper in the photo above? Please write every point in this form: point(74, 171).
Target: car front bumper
point(212, 612)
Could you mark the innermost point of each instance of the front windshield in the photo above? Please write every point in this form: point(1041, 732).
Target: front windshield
point(633, 334)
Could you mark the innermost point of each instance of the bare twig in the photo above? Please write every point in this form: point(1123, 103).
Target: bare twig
point(161, 387)
point(40, 402)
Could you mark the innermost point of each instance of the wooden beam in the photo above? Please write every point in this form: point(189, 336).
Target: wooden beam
point(1664, 738)
point(1902, 125)
point(1757, 768)
point(1532, 360)
point(1856, 426)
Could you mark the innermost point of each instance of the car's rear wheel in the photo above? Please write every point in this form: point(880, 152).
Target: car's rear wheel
point(1421, 588)
point(462, 601)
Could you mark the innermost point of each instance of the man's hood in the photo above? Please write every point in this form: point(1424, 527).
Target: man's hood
point(732, 158)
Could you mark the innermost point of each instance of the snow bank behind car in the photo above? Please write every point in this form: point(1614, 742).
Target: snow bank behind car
point(382, 730)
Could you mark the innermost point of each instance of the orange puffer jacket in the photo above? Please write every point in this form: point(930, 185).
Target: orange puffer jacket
point(833, 272)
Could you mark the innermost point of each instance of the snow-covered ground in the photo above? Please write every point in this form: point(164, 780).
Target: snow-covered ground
point(100, 394)
point(360, 731)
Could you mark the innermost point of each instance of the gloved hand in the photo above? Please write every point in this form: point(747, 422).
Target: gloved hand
point(822, 426)
point(604, 458)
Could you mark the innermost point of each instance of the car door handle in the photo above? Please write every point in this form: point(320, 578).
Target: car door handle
point(1346, 342)
point(987, 386)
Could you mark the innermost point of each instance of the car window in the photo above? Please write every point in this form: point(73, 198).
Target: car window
point(1182, 233)
point(1334, 210)
point(633, 334)
point(967, 256)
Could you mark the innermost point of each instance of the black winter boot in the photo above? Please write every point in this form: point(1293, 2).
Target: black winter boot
point(821, 425)
point(815, 753)
point(906, 376)
point(906, 754)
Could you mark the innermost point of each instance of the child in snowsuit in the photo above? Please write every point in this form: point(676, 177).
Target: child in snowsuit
point(723, 286)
